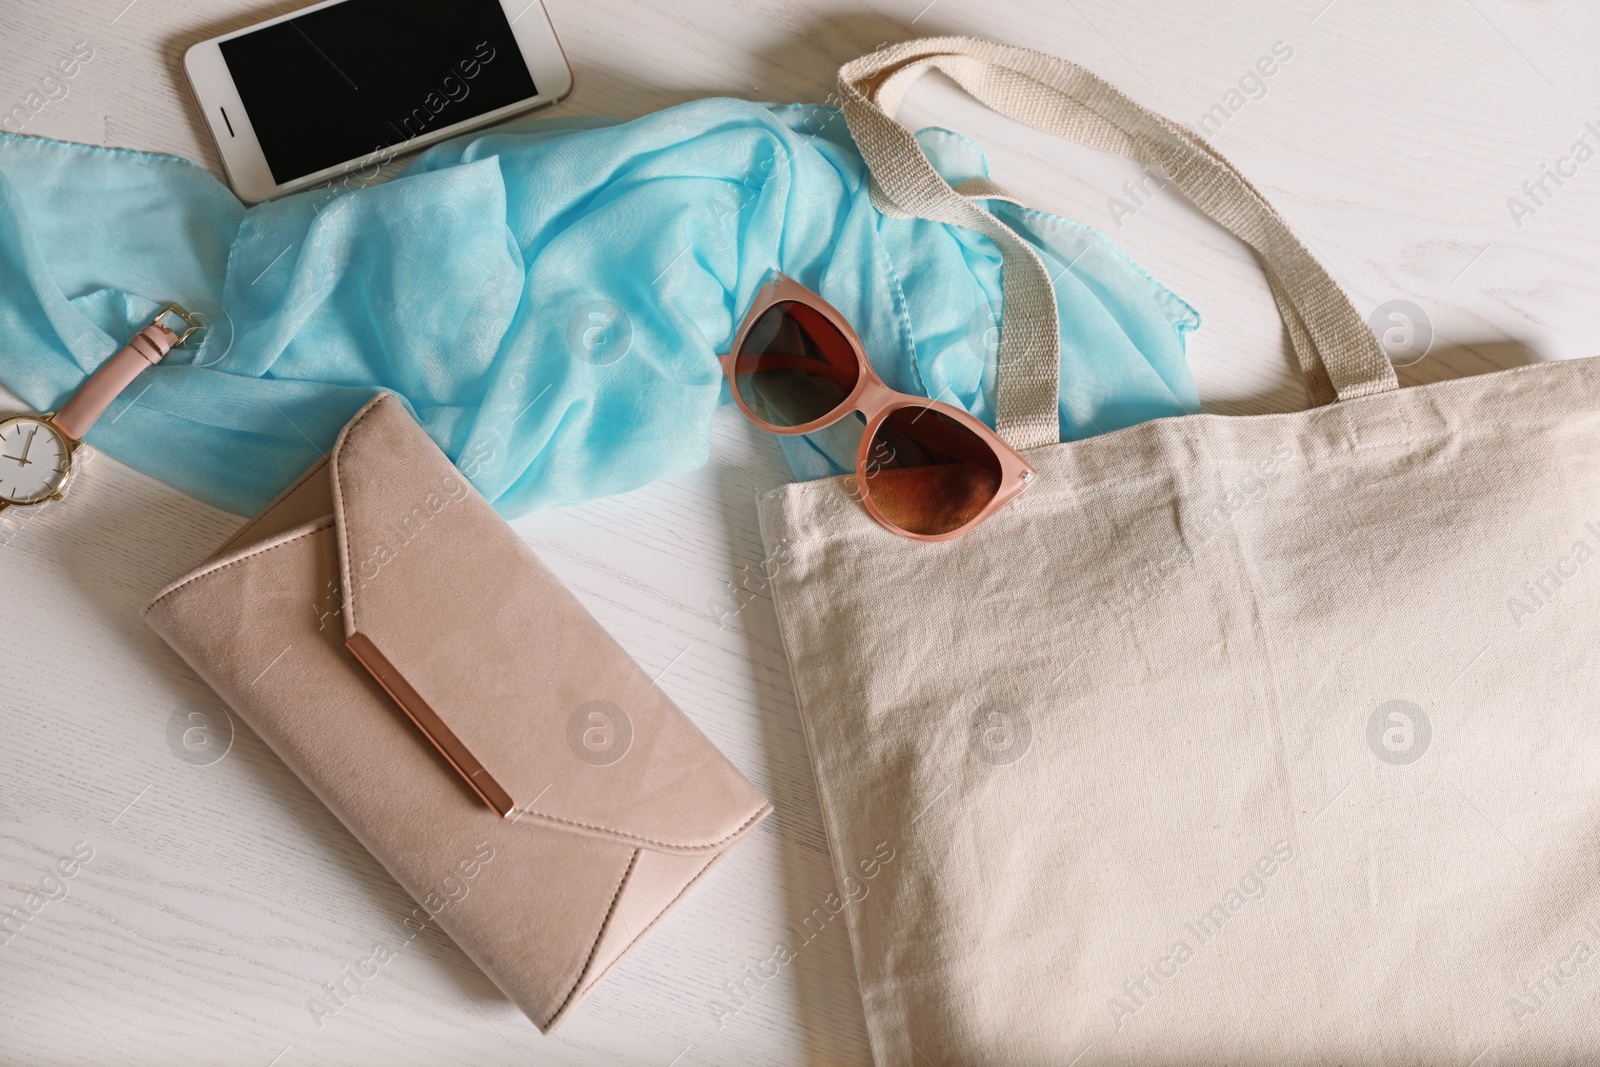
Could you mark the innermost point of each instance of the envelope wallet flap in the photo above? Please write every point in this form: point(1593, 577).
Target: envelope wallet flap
point(502, 669)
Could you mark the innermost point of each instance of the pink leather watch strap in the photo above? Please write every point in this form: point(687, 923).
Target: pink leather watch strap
point(146, 349)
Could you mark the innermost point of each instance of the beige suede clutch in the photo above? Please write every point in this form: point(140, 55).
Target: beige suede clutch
point(409, 657)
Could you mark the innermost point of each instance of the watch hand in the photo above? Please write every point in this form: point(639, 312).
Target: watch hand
point(23, 459)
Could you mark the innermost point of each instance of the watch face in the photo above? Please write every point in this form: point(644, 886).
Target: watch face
point(35, 460)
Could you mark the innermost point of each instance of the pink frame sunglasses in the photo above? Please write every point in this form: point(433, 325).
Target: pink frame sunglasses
point(927, 471)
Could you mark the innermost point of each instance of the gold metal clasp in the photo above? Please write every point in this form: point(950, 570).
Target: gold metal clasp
point(193, 323)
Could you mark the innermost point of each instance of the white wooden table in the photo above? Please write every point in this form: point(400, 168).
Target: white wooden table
point(221, 895)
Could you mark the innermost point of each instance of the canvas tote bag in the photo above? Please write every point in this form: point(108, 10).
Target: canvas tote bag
point(1260, 741)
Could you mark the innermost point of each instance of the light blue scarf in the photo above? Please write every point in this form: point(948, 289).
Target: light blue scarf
point(548, 297)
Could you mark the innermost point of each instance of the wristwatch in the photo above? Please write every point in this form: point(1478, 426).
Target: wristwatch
point(36, 450)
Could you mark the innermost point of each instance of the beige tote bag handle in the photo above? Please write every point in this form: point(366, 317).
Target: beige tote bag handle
point(1338, 354)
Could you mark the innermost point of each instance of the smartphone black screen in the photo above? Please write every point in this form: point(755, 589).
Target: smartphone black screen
point(356, 77)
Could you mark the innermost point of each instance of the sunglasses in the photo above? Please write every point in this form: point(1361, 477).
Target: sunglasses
point(926, 470)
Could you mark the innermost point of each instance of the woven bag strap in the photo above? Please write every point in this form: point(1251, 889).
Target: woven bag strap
point(1338, 354)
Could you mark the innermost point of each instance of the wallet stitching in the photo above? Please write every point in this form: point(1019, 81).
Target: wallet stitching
point(337, 483)
point(690, 884)
point(322, 524)
point(760, 814)
point(281, 499)
point(351, 625)
point(604, 925)
point(339, 530)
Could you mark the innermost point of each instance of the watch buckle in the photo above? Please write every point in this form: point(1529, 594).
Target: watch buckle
point(191, 321)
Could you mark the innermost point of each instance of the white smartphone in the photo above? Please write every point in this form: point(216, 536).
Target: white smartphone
point(350, 84)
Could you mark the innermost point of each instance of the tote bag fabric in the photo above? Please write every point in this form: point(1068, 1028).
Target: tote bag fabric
point(1263, 741)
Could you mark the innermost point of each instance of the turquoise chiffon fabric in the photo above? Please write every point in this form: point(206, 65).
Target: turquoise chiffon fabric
point(548, 297)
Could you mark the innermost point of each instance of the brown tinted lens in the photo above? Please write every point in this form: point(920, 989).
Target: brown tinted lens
point(927, 473)
point(794, 366)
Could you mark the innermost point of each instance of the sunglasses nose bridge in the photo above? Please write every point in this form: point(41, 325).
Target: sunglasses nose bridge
point(873, 398)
